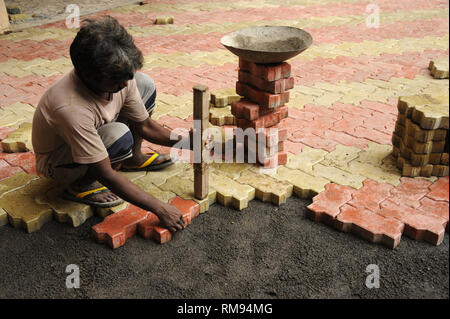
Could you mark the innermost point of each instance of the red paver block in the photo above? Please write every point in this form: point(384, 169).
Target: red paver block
point(436, 208)
point(370, 226)
point(248, 110)
point(264, 99)
point(410, 191)
point(275, 87)
point(326, 205)
point(268, 72)
point(418, 226)
point(370, 195)
point(7, 171)
point(24, 160)
point(264, 121)
point(273, 135)
point(440, 189)
point(273, 161)
point(152, 228)
point(117, 228)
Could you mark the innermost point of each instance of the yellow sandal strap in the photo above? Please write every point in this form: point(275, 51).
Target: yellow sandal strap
point(149, 161)
point(84, 194)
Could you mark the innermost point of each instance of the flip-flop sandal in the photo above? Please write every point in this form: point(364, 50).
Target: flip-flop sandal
point(80, 198)
point(147, 165)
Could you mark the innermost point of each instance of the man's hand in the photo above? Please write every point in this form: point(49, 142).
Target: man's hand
point(171, 217)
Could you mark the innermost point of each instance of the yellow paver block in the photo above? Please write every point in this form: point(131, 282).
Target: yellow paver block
point(341, 156)
point(230, 192)
point(16, 114)
point(164, 20)
point(148, 187)
point(19, 140)
point(185, 189)
point(22, 208)
point(158, 178)
point(224, 97)
point(267, 188)
point(381, 174)
point(403, 142)
point(439, 69)
point(3, 218)
point(306, 159)
point(342, 177)
point(15, 182)
point(182, 112)
point(417, 133)
point(327, 100)
point(428, 111)
point(415, 171)
point(304, 185)
point(374, 154)
point(417, 159)
point(133, 176)
point(221, 116)
point(230, 170)
point(299, 100)
point(65, 211)
point(106, 211)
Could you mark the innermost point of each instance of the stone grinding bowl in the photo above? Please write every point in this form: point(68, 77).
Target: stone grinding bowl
point(267, 44)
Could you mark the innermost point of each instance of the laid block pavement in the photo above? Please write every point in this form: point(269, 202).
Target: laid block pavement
point(342, 114)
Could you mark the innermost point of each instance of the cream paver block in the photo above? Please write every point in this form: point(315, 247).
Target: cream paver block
point(341, 156)
point(267, 188)
point(148, 187)
point(342, 177)
point(65, 211)
point(422, 135)
point(230, 192)
point(428, 170)
point(381, 174)
point(15, 182)
point(230, 170)
point(3, 217)
point(106, 211)
point(374, 154)
point(224, 97)
point(158, 178)
point(304, 185)
point(439, 69)
point(22, 208)
point(306, 159)
point(221, 116)
point(19, 140)
point(185, 189)
point(133, 176)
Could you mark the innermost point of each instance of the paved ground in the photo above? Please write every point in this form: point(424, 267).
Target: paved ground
point(262, 252)
point(342, 115)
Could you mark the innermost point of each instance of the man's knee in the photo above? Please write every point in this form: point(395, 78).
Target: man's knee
point(118, 141)
point(147, 90)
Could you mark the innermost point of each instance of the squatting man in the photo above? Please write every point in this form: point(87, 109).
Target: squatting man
point(91, 123)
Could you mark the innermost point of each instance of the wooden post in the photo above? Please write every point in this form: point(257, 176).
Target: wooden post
point(4, 19)
point(201, 115)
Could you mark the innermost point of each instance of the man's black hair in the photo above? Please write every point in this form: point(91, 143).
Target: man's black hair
point(103, 49)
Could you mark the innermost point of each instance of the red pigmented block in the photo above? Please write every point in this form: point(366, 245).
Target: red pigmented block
point(262, 122)
point(273, 161)
point(117, 228)
point(262, 98)
point(268, 72)
point(275, 87)
point(248, 110)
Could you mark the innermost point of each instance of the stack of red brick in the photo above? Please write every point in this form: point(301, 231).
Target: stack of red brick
point(265, 91)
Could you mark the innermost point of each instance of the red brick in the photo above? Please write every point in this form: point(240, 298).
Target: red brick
point(248, 110)
point(24, 160)
point(417, 225)
point(370, 226)
point(435, 208)
point(268, 72)
point(370, 195)
point(294, 148)
point(410, 191)
point(275, 87)
point(264, 121)
point(262, 98)
point(275, 160)
point(186, 206)
point(440, 189)
point(326, 205)
point(117, 228)
point(6, 170)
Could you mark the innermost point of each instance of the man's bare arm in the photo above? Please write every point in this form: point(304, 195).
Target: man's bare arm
point(131, 193)
point(154, 132)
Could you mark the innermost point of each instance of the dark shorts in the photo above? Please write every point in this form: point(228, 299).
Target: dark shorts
point(116, 137)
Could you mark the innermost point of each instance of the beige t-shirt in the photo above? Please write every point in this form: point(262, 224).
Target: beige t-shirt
point(69, 113)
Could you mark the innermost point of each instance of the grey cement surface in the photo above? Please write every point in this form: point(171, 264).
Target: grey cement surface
point(262, 252)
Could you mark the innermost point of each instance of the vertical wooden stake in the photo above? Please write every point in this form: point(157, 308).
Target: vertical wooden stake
point(201, 115)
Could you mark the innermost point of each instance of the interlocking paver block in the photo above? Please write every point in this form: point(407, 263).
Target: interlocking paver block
point(230, 192)
point(381, 174)
point(341, 156)
point(306, 159)
point(374, 154)
point(305, 186)
point(117, 228)
point(326, 205)
point(436, 208)
point(221, 116)
point(248, 110)
point(230, 170)
point(275, 87)
point(23, 209)
point(439, 69)
point(264, 121)
point(422, 135)
point(370, 195)
point(164, 20)
point(103, 212)
point(267, 72)
point(7, 170)
point(264, 99)
point(410, 191)
point(339, 176)
point(146, 185)
point(370, 226)
point(224, 97)
point(3, 217)
point(440, 189)
point(417, 225)
point(267, 188)
point(19, 140)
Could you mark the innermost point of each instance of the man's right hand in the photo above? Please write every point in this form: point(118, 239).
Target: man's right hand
point(171, 217)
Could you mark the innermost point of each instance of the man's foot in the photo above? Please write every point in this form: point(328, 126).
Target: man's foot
point(94, 194)
point(147, 162)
